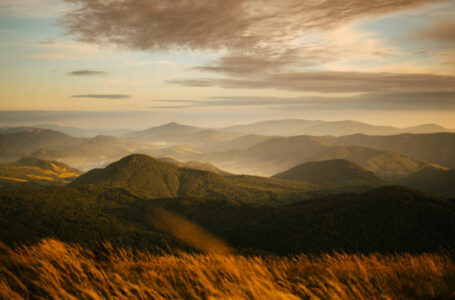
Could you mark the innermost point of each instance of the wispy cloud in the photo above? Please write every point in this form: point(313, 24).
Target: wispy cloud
point(102, 96)
point(377, 101)
point(333, 82)
point(86, 73)
point(136, 63)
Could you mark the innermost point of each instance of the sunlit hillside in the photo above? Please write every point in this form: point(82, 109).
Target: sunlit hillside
point(54, 270)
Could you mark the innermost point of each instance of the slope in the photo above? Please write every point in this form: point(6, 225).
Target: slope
point(19, 142)
point(90, 153)
point(387, 219)
point(279, 154)
point(436, 148)
point(336, 173)
point(34, 172)
point(433, 180)
point(148, 177)
point(193, 165)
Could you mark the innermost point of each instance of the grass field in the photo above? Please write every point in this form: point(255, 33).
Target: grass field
point(51, 269)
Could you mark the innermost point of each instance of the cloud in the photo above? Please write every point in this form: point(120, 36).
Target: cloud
point(170, 107)
point(86, 73)
point(250, 65)
point(246, 25)
point(375, 101)
point(46, 42)
point(102, 96)
point(382, 102)
point(332, 82)
point(441, 31)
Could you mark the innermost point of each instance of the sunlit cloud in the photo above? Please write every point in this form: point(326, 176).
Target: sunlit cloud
point(370, 101)
point(440, 31)
point(102, 96)
point(332, 82)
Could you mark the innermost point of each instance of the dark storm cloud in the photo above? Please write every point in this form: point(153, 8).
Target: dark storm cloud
point(333, 82)
point(213, 24)
point(102, 96)
point(86, 73)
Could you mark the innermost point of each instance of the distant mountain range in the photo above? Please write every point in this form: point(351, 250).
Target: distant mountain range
point(84, 132)
point(437, 148)
point(337, 128)
point(327, 193)
point(389, 157)
point(18, 142)
point(279, 154)
point(89, 153)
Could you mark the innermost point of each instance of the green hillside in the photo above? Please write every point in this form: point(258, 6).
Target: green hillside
point(148, 177)
point(35, 172)
point(386, 219)
point(336, 173)
point(381, 220)
point(433, 180)
point(193, 165)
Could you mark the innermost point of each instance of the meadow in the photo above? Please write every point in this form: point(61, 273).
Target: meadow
point(51, 269)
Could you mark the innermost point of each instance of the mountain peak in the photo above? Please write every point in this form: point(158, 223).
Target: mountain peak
point(167, 129)
point(173, 125)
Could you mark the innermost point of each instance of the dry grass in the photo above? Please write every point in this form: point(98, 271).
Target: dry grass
point(55, 270)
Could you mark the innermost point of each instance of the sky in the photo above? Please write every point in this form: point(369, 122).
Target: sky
point(139, 63)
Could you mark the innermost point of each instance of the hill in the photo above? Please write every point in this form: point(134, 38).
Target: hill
point(433, 180)
point(385, 164)
point(18, 142)
point(387, 219)
point(89, 153)
point(148, 177)
point(426, 128)
point(173, 134)
point(336, 173)
point(164, 131)
point(436, 148)
point(83, 132)
point(34, 172)
point(279, 154)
